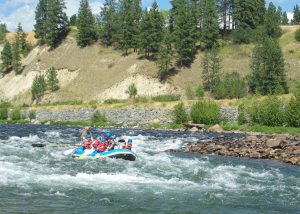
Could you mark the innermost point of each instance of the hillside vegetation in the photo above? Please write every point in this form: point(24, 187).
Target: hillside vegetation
point(99, 73)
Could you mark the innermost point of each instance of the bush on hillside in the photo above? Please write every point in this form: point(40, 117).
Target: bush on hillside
point(179, 114)
point(292, 112)
point(189, 93)
point(98, 117)
point(232, 86)
point(3, 113)
point(32, 115)
point(242, 117)
point(199, 91)
point(269, 112)
point(15, 114)
point(166, 98)
point(297, 35)
point(132, 91)
point(206, 112)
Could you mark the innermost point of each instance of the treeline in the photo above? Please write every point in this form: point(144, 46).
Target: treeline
point(14, 51)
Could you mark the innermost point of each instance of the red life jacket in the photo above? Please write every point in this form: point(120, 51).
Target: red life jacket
point(101, 147)
point(87, 144)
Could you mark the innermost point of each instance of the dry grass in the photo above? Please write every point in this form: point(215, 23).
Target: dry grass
point(30, 37)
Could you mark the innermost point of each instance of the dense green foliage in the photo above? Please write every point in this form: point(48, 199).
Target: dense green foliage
point(268, 72)
point(206, 112)
point(296, 18)
point(31, 115)
point(132, 91)
point(52, 80)
point(73, 20)
point(292, 112)
point(231, 86)
point(211, 66)
point(3, 31)
point(51, 22)
point(166, 98)
point(273, 21)
point(86, 25)
point(98, 117)
point(269, 112)
point(39, 87)
point(6, 56)
point(15, 114)
point(179, 114)
point(199, 91)
point(297, 35)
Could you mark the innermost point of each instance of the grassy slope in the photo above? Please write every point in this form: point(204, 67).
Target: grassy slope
point(102, 67)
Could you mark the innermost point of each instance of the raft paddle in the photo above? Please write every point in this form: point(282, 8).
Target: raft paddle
point(40, 145)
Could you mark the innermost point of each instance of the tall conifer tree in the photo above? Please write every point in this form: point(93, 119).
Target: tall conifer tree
point(296, 18)
point(85, 24)
point(151, 30)
point(6, 55)
point(210, 29)
point(40, 28)
point(108, 21)
point(184, 31)
point(284, 19)
point(268, 73)
point(273, 21)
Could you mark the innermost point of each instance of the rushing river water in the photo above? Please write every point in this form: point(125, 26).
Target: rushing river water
point(43, 180)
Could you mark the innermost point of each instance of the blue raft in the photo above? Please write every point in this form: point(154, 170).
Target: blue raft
point(125, 154)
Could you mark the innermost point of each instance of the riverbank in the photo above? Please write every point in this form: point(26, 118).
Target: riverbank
point(283, 148)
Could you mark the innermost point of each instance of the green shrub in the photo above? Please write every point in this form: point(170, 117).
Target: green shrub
point(269, 112)
point(75, 102)
point(32, 115)
point(232, 86)
point(97, 117)
point(113, 101)
point(292, 112)
point(242, 117)
point(206, 112)
point(132, 91)
point(179, 114)
point(166, 98)
point(189, 93)
point(140, 99)
point(297, 35)
point(199, 91)
point(15, 114)
point(3, 113)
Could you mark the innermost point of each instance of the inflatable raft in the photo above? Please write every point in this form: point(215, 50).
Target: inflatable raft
point(125, 154)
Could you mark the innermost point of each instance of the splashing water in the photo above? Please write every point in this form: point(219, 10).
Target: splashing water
point(43, 180)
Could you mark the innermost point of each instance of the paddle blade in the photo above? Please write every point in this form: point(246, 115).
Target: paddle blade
point(38, 145)
point(69, 152)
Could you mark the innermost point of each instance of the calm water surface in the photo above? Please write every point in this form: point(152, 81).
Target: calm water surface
point(43, 180)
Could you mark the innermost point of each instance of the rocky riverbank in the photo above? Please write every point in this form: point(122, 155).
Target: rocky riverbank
point(258, 146)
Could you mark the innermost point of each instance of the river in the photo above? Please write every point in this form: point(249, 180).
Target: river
point(43, 180)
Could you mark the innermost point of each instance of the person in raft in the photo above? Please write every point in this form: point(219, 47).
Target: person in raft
point(128, 144)
point(100, 144)
point(111, 143)
point(88, 141)
point(86, 131)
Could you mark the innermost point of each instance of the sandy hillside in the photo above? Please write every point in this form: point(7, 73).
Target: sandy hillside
point(98, 73)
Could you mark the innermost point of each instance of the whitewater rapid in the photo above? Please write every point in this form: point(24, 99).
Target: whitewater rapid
point(157, 181)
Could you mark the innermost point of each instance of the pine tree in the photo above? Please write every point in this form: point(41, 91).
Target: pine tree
point(86, 25)
point(284, 19)
point(52, 80)
point(151, 30)
point(41, 21)
point(128, 29)
point(108, 21)
point(164, 57)
point(20, 37)
point(6, 55)
point(184, 31)
point(224, 8)
point(273, 21)
point(248, 13)
point(73, 20)
point(211, 67)
point(3, 32)
point(296, 18)
point(56, 22)
point(38, 87)
point(210, 29)
point(268, 73)
point(16, 59)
